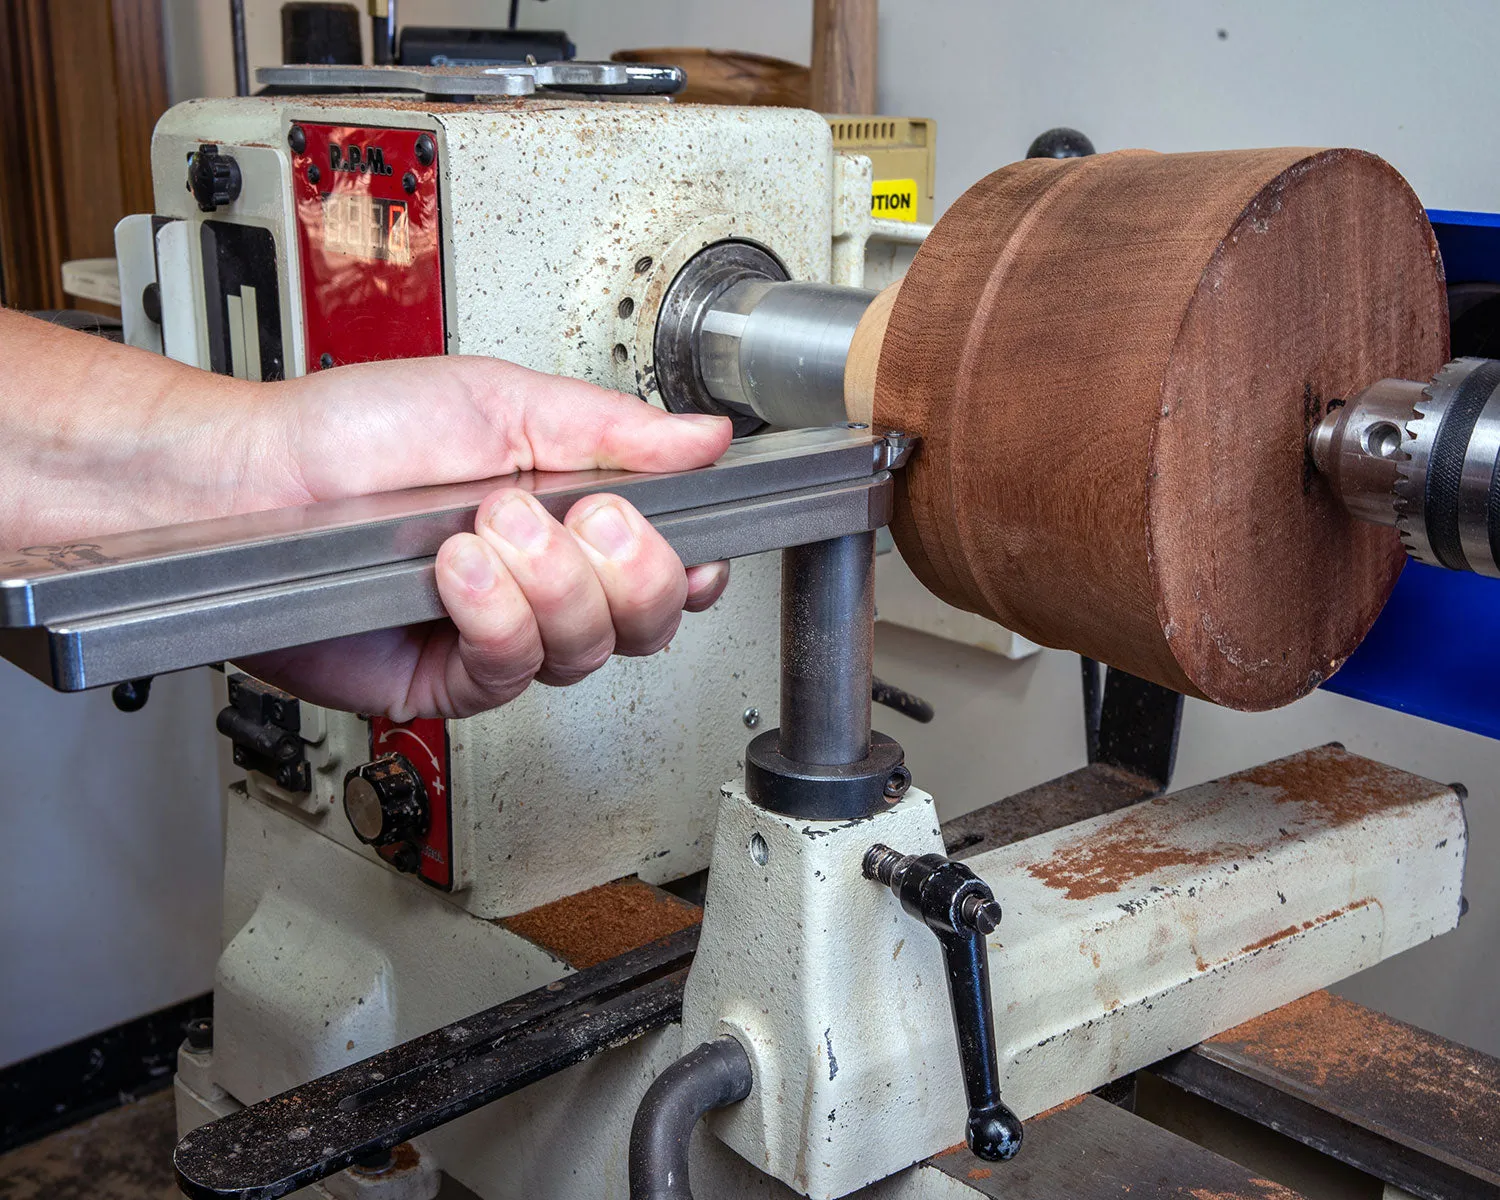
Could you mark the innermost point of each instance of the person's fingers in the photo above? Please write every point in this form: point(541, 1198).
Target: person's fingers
point(580, 425)
point(706, 583)
point(499, 647)
point(371, 427)
point(566, 598)
point(642, 577)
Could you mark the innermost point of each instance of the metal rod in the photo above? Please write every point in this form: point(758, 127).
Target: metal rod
point(383, 33)
point(779, 349)
point(827, 649)
point(241, 49)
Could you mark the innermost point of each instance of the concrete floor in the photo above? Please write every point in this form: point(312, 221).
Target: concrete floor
point(124, 1154)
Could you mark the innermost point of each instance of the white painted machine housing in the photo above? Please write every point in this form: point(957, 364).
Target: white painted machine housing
point(554, 212)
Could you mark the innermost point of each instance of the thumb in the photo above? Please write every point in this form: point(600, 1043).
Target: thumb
point(571, 425)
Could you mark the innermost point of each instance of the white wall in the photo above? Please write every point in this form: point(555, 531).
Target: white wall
point(112, 893)
point(112, 858)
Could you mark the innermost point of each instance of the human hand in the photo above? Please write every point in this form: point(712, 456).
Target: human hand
point(102, 438)
point(529, 597)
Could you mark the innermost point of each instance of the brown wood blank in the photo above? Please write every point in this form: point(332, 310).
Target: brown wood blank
point(1114, 363)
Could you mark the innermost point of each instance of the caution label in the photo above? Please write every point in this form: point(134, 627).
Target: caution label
point(894, 199)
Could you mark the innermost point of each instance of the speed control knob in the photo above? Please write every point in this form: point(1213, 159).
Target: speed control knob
point(385, 802)
point(213, 177)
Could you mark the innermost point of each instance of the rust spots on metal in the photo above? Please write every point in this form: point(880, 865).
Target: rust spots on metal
point(1292, 930)
point(1098, 863)
point(1264, 1189)
point(980, 1172)
point(1063, 1107)
point(1380, 1072)
point(603, 922)
point(1325, 786)
point(1344, 788)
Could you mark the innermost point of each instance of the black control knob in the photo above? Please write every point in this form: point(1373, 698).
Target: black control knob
point(213, 177)
point(386, 803)
point(960, 909)
point(1061, 142)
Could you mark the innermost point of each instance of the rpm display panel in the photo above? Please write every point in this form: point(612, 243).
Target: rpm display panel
point(369, 236)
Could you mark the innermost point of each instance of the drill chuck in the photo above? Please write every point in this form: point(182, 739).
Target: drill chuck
point(1424, 458)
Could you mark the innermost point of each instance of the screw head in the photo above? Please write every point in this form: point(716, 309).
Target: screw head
point(313, 174)
point(426, 149)
point(325, 360)
point(751, 717)
point(899, 781)
point(408, 183)
point(297, 139)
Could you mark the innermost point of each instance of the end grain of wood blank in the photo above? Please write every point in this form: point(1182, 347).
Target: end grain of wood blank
point(1114, 363)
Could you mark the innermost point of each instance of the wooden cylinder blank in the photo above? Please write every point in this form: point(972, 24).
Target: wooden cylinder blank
point(1114, 363)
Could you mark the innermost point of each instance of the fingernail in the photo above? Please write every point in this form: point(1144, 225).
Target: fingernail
point(519, 524)
point(607, 531)
point(472, 565)
point(701, 418)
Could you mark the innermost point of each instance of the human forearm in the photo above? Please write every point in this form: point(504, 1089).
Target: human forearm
point(99, 437)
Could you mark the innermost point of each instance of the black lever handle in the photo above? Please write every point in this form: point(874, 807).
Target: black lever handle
point(959, 907)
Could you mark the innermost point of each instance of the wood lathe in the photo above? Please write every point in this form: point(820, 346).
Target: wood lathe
point(1102, 407)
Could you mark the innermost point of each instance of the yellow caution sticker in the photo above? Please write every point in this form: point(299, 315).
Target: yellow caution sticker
point(894, 199)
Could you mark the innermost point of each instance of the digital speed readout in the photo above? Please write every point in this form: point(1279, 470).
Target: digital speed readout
point(367, 227)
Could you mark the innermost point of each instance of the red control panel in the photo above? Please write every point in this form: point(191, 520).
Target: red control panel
point(370, 243)
point(424, 744)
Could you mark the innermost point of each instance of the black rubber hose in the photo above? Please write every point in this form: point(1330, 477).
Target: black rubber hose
point(715, 1074)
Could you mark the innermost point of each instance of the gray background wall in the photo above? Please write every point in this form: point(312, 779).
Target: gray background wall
point(112, 893)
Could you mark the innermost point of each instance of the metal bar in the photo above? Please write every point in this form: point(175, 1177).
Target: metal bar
point(306, 1134)
point(49, 584)
point(139, 642)
point(1139, 723)
point(1090, 1150)
point(241, 51)
point(1407, 1106)
point(827, 650)
point(778, 349)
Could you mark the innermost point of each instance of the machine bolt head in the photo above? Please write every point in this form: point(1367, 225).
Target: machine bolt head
point(200, 1034)
point(898, 783)
point(297, 139)
point(426, 150)
point(408, 183)
point(313, 174)
point(980, 912)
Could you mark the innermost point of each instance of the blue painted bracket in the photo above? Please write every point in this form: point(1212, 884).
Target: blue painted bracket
point(1435, 650)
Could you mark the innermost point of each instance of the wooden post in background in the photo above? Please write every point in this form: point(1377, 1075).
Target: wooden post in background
point(845, 55)
point(82, 83)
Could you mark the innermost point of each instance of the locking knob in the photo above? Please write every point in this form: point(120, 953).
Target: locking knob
point(213, 177)
point(386, 802)
point(960, 909)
